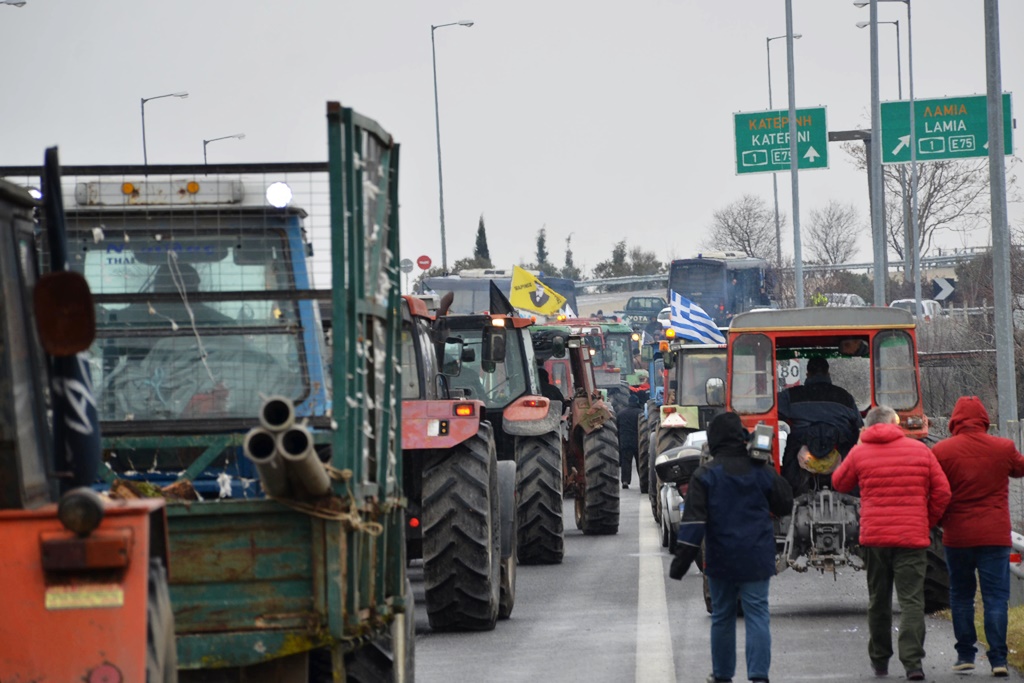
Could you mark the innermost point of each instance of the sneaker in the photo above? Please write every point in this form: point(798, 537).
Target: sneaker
point(1000, 671)
point(880, 671)
point(713, 679)
point(625, 486)
point(915, 675)
point(962, 667)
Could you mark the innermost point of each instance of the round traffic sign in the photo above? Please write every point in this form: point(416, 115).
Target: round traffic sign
point(424, 262)
point(406, 265)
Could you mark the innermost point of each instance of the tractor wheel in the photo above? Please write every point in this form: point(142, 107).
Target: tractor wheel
point(509, 537)
point(667, 438)
point(936, 577)
point(539, 473)
point(379, 660)
point(462, 535)
point(643, 462)
point(161, 650)
point(597, 511)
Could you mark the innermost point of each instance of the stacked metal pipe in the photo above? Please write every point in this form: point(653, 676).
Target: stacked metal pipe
point(283, 453)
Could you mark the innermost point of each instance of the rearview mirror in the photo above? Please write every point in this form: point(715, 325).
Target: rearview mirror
point(558, 346)
point(65, 315)
point(454, 355)
point(714, 391)
point(493, 344)
point(669, 359)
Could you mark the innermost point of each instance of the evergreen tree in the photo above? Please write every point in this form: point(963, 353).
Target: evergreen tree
point(570, 271)
point(542, 246)
point(480, 252)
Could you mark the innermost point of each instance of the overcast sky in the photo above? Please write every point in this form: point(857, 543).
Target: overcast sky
point(604, 121)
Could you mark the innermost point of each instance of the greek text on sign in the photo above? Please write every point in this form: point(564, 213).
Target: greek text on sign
point(948, 128)
point(762, 140)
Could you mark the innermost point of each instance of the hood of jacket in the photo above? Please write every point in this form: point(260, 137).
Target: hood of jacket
point(881, 433)
point(969, 415)
point(726, 435)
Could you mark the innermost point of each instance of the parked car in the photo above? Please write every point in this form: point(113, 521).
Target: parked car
point(639, 309)
point(665, 317)
point(930, 308)
point(845, 299)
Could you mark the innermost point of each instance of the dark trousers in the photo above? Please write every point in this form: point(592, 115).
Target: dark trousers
point(903, 568)
point(626, 458)
point(992, 564)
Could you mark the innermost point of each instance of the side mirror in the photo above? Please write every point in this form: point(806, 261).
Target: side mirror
point(65, 315)
point(454, 355)
point(669, 359)
point(493, 345)
point(714, 391)
point(647, 353)
point(488, 366)
point(558, 346)
point(468, 354)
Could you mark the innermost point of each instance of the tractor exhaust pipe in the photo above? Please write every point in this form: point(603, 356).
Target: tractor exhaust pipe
point(307, 472)
point(260, 446)
point(277, 413)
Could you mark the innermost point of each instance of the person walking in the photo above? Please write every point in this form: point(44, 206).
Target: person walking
point(627, 421)
point(903, 494)
point(976, 529)
point(729, 507)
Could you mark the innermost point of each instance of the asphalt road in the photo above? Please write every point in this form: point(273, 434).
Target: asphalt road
point(610, 613)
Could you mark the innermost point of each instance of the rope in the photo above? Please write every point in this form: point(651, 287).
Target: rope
point(351, 518)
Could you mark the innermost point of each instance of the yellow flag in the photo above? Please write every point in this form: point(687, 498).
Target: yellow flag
point(533, 295)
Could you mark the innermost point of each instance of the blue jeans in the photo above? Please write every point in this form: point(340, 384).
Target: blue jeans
point(754, 596)
point(992, 563)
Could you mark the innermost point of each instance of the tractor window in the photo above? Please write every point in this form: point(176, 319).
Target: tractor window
point(503, 383)
point(617, 351)
point(753, 386)
point(895, 370)
point(694, 370)
point(410, 369)
point(561, 378)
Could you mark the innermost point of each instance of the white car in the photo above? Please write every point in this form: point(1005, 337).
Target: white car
point(930, 308)
point(845, 299)
point(665, 317)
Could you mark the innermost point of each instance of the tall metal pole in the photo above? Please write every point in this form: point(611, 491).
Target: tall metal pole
point(775, 179)
point(145, 157)
point(798, 265)
point(908, 241)
point(916, 228)
point(440, 179)
point(1005, 368)
point(875, 169)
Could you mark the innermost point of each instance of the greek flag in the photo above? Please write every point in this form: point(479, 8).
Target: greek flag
point(691, 322)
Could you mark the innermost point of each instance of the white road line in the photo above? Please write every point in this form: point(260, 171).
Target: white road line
point(654, 662)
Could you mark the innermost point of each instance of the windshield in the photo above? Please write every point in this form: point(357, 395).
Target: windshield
point(895, 373)
point(496, 384)
point(617, 352)
point(410, 368)
point(177, 352)
point(693, 370)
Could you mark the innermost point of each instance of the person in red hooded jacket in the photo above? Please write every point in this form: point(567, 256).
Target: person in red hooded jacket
point(903, 493)
point(976, 529)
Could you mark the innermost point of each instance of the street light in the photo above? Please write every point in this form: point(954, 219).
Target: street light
point(775, 180)
point(236, 136)
point(437, 125)
point(182, 95)
point(908, 244)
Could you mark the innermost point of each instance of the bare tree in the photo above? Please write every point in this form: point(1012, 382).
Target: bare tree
point(747, 225)
point(832, 233)
point(952, 196)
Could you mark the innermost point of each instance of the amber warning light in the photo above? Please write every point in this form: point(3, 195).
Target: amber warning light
point(464, 409)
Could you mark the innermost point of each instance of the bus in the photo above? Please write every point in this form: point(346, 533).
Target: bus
point(708, 281)
point(473, 294)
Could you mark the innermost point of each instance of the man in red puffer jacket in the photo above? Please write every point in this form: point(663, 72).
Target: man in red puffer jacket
point(976, 529)
point(903, 494)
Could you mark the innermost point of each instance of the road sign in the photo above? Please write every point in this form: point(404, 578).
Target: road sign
point(406, 265)
point(762, 140)
point(423, 262)
point(947, 128)
point(943, 287)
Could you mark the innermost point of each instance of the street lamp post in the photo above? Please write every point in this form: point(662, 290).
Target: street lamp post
point(775, 180)
point(145, 157)
point(908, 242)
point(236, 136)
point(437, 126)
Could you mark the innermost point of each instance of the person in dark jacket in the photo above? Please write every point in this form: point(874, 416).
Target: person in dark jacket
point(903, 493)
point(729, 507)
point(627, 420)
point(976, 529)
point(821, 416)
point(547, 389)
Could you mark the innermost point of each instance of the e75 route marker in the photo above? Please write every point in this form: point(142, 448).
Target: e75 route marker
point(762, 140)
point(947, 128)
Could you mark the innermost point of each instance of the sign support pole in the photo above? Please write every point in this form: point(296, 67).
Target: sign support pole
point(874, 159)
point(1005, 368)
point(794, 163)
point(916, 228)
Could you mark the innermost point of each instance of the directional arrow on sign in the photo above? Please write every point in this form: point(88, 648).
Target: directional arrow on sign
point(904, 142)
point(811, 155)
point(945, 288)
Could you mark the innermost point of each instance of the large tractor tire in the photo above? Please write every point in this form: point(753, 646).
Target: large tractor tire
point(462, 535)
point(161, 649)
point(509, 537)
point(597, 510)
point(380, 660)
point(936, 577)
point(643, 462)
point(539, 473)
point(667, 439)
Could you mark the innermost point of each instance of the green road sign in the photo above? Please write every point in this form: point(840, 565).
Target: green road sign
point(947, 128)
point(762, 140)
